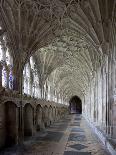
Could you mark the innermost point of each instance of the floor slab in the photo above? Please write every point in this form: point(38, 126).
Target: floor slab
point(62, 138)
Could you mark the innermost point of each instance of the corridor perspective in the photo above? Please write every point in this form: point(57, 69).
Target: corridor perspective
point(57, 77)
point(69, 136)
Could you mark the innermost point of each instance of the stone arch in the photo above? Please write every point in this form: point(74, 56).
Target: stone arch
point(75, 105)
point(38, 117)
point(10, 123)
point(28, 120)
point(45, 116)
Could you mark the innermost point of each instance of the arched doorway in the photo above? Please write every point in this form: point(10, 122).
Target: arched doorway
point(38, 117)
point(75, 105)
point(28, 120)
point(10, 124)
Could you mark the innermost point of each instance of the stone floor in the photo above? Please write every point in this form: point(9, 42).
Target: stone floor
point(70, 136)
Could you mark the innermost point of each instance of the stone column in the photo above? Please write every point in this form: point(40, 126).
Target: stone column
point(4, 53)
point(17, 74)
point(21, 123)
point(113, 102)
point(7, 72)
point(109, 97)
point(34, 121)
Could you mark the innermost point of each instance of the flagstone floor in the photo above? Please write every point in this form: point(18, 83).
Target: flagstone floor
point(70, 136)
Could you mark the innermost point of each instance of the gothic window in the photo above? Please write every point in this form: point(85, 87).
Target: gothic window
point(27, 70)
point(48, 92)
point(10, 78)
point(31, 80)
point(26, 74)
point(36, 82)
point(32, 63)
point(25, 86)
point(7, 58)
point(7, 64)
point(55, 96)
point(4, 77)
point(33, 90)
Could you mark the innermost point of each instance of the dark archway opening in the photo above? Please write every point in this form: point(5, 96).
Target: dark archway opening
point(75, 105)
point(28, 120)
point(10, 124)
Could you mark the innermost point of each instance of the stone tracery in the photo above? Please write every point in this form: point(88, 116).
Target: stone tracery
point(65, 48)
point(6, 63)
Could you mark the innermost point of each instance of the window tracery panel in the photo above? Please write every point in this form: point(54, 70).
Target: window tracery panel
point(4, 77)
point(31, 79)
point(31, 85)
point(6, 62)
point(11, 78)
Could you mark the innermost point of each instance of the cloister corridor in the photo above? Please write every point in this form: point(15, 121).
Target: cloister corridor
point(71, 135)
point(57, 77)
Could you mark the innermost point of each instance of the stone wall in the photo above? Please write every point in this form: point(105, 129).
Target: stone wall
point(99, 102)
point(21, 117)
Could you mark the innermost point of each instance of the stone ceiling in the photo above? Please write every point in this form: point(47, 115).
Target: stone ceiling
point(70, 38)
point(70, 62)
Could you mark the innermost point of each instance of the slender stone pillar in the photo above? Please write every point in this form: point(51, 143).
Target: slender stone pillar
point(7, 72)
point(4, 53)
point(21, 124)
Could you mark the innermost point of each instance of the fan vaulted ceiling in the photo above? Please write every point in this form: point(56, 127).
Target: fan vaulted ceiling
point(70, 38)
point(69, 62)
